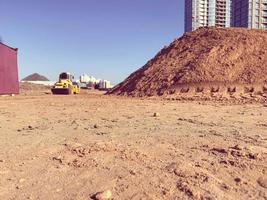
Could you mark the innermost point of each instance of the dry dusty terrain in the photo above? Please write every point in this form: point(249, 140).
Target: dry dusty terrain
point(71, 147)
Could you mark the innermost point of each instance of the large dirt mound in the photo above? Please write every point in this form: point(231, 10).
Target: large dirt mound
point(206, 60)
point(35, 77)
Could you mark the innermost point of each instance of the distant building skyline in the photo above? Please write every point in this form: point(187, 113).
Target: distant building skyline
point(203, 13)
point(249, 14)
point(225, 13)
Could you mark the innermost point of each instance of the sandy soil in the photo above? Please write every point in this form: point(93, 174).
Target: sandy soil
point(71, 147)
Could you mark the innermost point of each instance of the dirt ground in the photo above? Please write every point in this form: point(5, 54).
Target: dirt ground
point(71, 147)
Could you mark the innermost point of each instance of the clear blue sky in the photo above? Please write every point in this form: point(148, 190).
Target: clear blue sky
point(105, 38)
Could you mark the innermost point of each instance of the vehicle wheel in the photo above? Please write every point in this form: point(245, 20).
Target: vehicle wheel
point(70, 90)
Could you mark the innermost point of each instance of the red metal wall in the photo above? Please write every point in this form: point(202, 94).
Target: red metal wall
point(9, 83)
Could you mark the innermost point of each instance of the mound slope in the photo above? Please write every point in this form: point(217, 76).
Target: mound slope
point(35, 77)
point(206, 57)
point(24, 86)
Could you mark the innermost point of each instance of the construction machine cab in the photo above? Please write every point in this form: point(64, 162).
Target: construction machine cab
point(66, 76)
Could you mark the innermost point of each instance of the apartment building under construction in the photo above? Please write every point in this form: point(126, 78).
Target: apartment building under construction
point(249, 14)
point(202, 13)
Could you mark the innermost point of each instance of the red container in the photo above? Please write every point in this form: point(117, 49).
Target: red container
point(9, 82)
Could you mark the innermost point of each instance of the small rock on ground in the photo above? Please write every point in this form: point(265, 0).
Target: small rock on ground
point(262, 182)
point(103, 195)
point(156, 114)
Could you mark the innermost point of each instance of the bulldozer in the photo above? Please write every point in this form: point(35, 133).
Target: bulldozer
point(65, 85)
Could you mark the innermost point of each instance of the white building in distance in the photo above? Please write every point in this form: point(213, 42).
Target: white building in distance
point(204, 13)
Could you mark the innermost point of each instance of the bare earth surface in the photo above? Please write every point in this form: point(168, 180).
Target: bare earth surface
point(71, 147)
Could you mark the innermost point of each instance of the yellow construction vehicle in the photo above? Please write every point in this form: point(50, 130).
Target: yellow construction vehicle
point(65, 85)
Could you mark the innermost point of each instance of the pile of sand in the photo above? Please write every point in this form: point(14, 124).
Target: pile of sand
point(208, 60)
point(35, 77)
point(32, 88)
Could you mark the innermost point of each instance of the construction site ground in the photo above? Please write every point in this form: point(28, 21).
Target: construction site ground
point(71, 147)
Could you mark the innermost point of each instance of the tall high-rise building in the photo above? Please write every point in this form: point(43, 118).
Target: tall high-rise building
point(201, 13)
point(249, 13)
